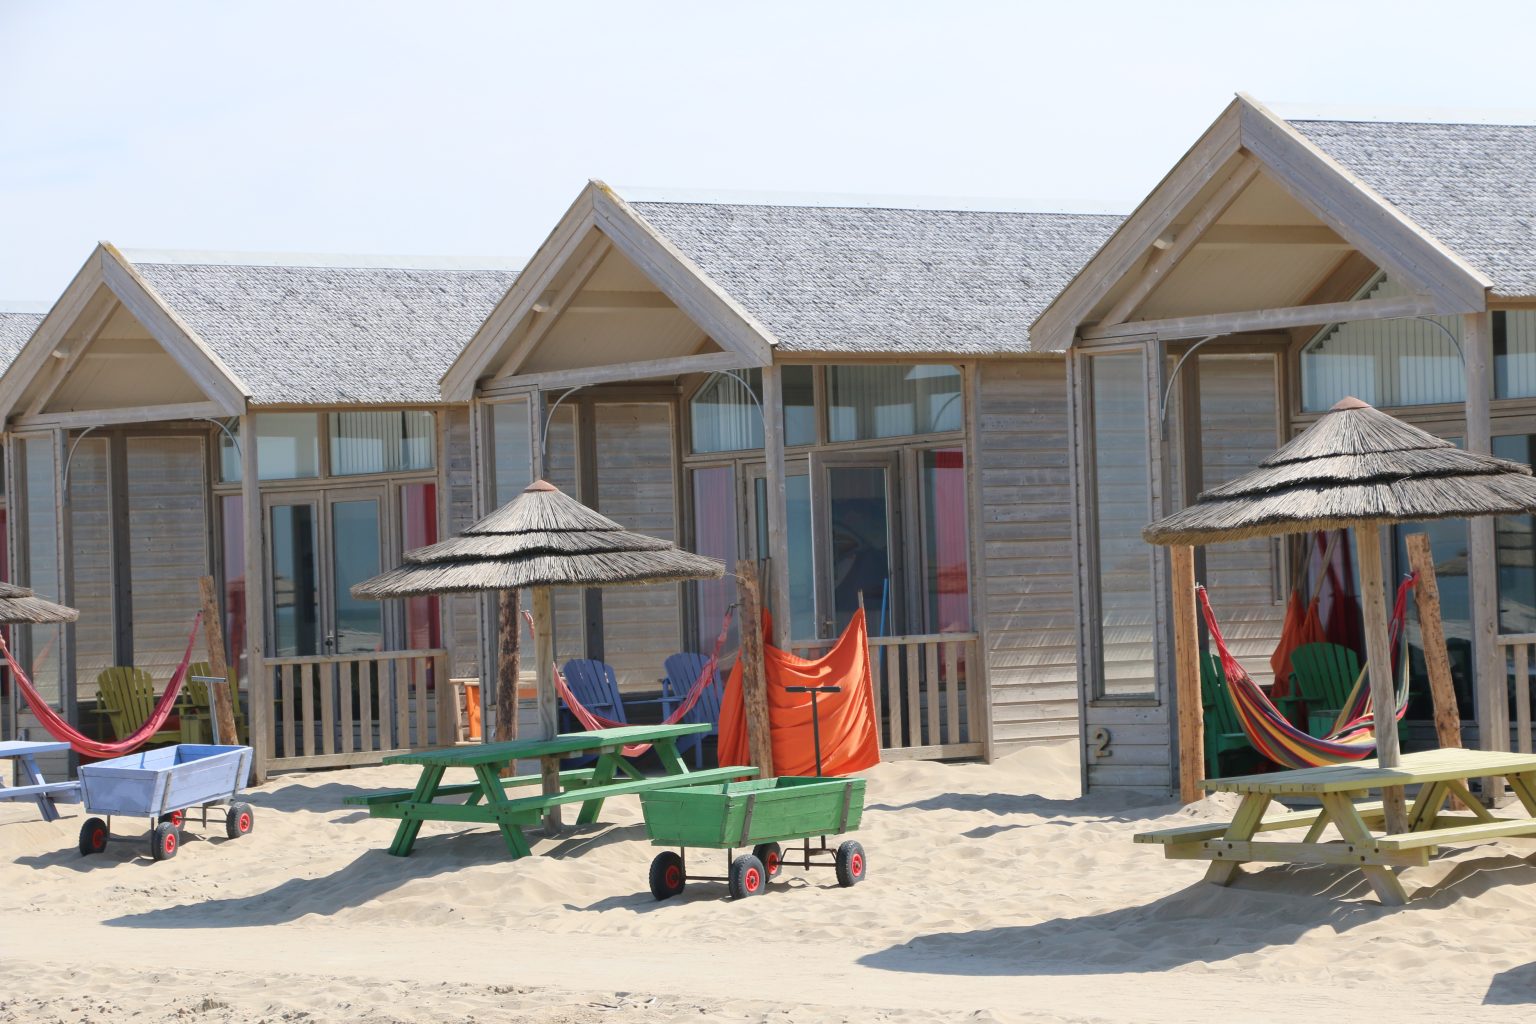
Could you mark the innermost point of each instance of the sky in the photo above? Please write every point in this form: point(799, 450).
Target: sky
point(465, 128)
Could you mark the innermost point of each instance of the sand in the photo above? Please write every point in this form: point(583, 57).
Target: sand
point(995, 893)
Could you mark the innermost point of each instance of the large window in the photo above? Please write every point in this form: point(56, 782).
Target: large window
point(1122, 504)
point(946, 576)
point(1514, 354)
point(391, 441)
point(726, 417)
point(866, 402)
point(511, 449)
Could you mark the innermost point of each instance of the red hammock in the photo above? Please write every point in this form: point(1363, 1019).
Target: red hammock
point(592, 720)
point(83, 744)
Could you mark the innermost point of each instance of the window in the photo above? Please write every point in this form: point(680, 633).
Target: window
point(287, 447)
point(1406, 361)
point(511, 450)
point(392, 441)
point(1514, 354)
point(232, 537)
point(1122, 502)
point(946, 573)
point(418, 528)
point(865, 402)
point(726, 417)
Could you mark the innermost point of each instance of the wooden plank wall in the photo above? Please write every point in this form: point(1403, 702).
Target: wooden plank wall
point(1025, 581)
point(91, 538)
point(461, 625)
point(168, 546)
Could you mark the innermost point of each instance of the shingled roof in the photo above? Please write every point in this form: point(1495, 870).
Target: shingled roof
point(330, 334)
point(1471, 186)
point(15, 329)
point(871, 280)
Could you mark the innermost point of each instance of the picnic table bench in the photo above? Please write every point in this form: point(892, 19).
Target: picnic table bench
point(486, 799)
point(24, 753)
point(1439, 776)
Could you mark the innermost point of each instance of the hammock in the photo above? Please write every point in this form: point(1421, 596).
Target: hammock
point(592, 720)
point(1273, 735)
point(60, 729)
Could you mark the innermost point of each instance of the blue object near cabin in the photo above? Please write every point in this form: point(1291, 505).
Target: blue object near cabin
point(166, 779)
point(596, 686)
point(683, 671)
point(32, 784)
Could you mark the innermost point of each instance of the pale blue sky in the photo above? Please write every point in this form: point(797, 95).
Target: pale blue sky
point(465, 128)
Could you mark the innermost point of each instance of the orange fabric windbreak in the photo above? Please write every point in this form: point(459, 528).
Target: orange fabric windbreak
point(848, 739)
point(1302, 626)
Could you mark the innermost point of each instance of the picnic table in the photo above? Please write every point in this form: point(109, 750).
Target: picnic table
point(1439, 776)
point(485, 800)
point(35, 787)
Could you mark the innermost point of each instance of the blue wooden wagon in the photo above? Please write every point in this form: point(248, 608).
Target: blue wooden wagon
point(162, 785)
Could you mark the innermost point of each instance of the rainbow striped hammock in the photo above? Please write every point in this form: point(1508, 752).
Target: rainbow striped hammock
point(1353, 737)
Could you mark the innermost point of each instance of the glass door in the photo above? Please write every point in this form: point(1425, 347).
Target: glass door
point(353, 625)
point(802, 582)
point(293, 575)
point(855, 536)
point(322, 543)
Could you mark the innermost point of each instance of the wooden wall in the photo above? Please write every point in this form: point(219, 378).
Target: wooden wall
point(461, 628)
point(1025, 579)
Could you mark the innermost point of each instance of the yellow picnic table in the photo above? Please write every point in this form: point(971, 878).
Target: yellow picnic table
point(1439, 776)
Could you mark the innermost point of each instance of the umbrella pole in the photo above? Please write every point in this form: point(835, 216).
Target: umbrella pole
point(509, 638)
point(544, 658)
point(1378, 652)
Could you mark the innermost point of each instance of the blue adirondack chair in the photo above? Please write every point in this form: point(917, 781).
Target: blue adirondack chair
point(596, 686)
point(683, 671)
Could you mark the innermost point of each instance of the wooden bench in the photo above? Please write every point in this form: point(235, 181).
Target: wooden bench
point(1216, 830)
point(1459, 834)
point(603, 792)
point(56, 790)
point(574, 778)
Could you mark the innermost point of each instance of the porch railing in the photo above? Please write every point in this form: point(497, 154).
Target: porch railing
point(927, 694)
point(1521, 648)
point(348, 709)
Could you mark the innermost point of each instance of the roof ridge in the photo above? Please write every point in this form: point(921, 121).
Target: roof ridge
point(318, 261)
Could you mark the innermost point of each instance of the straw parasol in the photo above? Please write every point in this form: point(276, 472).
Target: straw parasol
point(541, 539)
point(20, 605)
point(1355, 467)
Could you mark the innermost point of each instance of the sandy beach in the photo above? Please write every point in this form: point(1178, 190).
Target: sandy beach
point(995, 894)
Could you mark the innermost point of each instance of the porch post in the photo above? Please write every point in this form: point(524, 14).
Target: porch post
point(1487, 664)
point(257, 684)
point(69, 698)
point(778, 506)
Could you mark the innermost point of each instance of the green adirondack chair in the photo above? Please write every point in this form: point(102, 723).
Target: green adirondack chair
point(1323, 675)
point(1223, 730)
point(128, 694)
point(195, 710)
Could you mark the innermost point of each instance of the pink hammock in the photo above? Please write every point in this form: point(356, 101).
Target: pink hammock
point(83, 744)
point(592, 720)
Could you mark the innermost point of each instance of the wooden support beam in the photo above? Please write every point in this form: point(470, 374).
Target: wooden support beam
point(1163, 263)
point(509, 634)
point(754, 679)
point(1318, 236)
point(257, 680)
point(778, 504)
point(1266, 319)
point(1437, 662)
point(218, 664)
point(1373, 599)
point(582, 273)
point(1186, 661)
point(593, 301)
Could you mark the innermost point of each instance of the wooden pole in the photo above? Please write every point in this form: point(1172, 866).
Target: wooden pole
point(1426, 593)
point(549, 701)
point(1186, 661)
point(1378, 652)
point(778, 508)
point(218, 665)
point(509, 635)
point(754, 683)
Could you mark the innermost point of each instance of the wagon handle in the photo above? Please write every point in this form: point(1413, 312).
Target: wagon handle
point(815, 691)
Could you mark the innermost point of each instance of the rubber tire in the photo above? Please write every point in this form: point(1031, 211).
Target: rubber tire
point(177, 818)
point(772, 856)
point(93, 836)
point(852, 865)
point(164, 841)
point(748, 877)
point(240, 820)
point(668, 878)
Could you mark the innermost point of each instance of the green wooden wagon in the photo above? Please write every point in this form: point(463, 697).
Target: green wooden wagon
point(761, 814)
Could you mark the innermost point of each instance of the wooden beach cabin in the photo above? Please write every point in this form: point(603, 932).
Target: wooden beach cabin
point(275, 423)
point(1278, 267)
point(849, 395)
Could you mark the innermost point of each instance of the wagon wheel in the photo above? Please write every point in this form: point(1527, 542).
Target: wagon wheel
point(93, 836)
point(668, 877)
point(177, 818)
point(747, 878)
point(772, 856)
point(851, 864)
point(164, 841)
point(239, 821)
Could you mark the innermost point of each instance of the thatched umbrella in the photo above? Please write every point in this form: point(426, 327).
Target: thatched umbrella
point(20, 605)
point(541, 539)
point(1356, 467)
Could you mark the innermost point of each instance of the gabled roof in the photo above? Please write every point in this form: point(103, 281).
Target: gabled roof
point(322, 335)
point(15, 329)
point(870, 280)
point(1472, 186)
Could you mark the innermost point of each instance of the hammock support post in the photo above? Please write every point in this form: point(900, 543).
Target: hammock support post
point(1186, 663)
point(1378, 650)
point(549, 702)
point(218, 665)
point(754, 673)
point(1432, 630)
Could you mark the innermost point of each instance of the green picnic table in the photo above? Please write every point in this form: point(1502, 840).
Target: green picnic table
point(486, 801)
point(1440, 776)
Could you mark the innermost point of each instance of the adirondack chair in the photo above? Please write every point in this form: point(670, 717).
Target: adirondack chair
point(1223, 730)
point(1323, 675)
point(128, 694)
point(195, 710)
point(596, 686)
point(683, 671)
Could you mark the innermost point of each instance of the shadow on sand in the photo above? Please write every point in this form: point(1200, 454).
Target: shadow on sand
point(1123, 809)
point(1514, 987)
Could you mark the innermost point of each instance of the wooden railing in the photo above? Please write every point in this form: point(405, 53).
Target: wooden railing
point(925, 699)
point(1521, 655)
point(346, 709)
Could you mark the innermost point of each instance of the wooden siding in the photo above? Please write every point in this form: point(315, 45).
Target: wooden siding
point(91, 538)
point(168, 546)
point(636, 488)
point(461, 629)
point(1025, 577)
